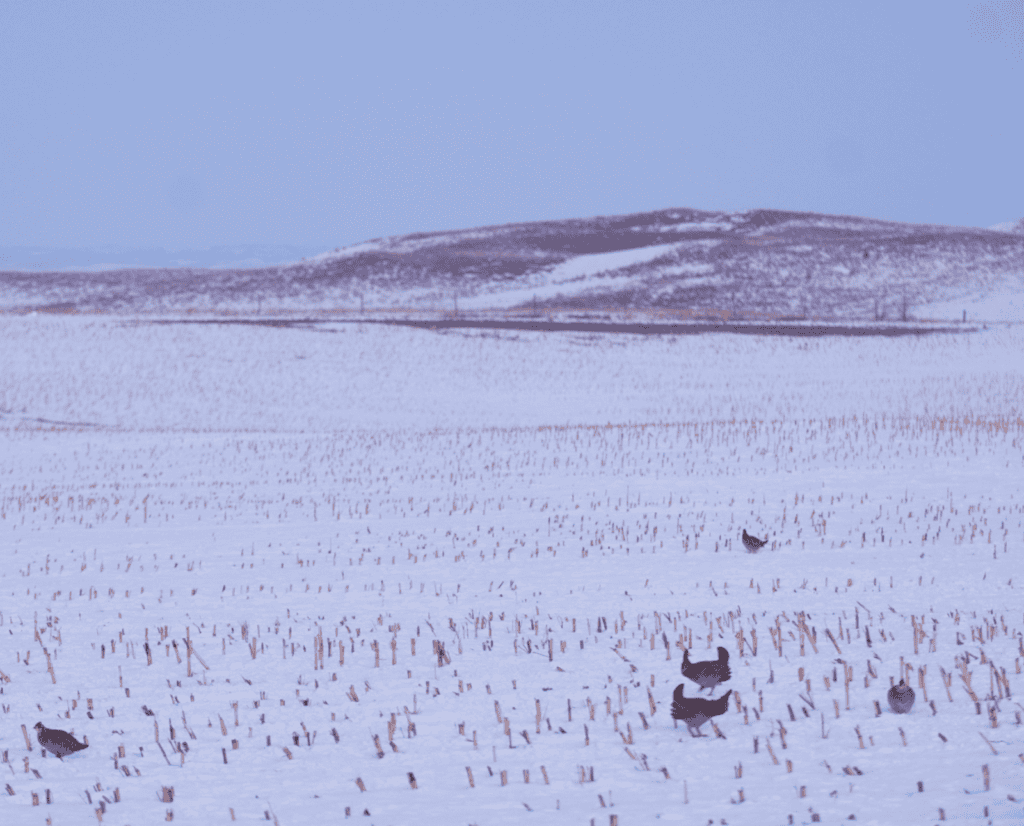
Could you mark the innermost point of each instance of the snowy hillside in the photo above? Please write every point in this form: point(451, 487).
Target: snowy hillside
point(756, 264)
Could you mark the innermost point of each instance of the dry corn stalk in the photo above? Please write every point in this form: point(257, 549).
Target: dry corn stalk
point(965, 675)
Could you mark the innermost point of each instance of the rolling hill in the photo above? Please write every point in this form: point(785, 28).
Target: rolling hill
point(756, 264)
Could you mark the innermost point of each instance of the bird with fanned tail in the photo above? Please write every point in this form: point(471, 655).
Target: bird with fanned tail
point(57, 742)
point(695, 711)
point(901, 698)
point(752, 543)
point(708, 673)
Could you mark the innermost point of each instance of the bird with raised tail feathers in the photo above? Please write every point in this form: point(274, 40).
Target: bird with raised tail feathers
point(695, 711)
point(708, 673)
point(752, 543)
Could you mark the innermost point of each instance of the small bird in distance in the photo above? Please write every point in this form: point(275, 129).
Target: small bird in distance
point(752, 543)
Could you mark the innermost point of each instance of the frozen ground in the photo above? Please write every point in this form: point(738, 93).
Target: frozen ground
point(994, 306)
point(562, 513)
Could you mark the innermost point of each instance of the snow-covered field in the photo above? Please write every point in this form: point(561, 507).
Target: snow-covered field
point(1000, 305)
point(562, 514)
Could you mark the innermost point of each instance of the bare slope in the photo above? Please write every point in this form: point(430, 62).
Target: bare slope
point(756, 263)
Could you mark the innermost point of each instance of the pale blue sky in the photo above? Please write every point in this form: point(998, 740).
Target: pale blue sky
point(185, 125)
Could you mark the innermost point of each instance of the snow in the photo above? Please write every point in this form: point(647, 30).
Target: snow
point(594, 263)
point(1009, 226)
point(225, 487)
point(576, 276)
point(995, 306)
point(701, 226)
point(347, 252)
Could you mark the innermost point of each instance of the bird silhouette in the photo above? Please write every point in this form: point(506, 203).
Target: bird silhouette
point(56, 741)
point(708, 673)
point(696, 711)
point(901, 698)
point(752, 543)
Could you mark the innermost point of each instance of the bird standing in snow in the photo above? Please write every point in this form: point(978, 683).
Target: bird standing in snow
point(709, 673)
point(696, 711)
point(901, 698)
point(752, 543)
point(56, 741)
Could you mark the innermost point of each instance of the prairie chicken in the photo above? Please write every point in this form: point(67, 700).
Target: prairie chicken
point(901, 698)
point(708, 673)
point(56, 741)
point(695, 711)
point(752, 543)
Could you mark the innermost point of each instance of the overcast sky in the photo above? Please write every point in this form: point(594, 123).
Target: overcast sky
point(185, 125)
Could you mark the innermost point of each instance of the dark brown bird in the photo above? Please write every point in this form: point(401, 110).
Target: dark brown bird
point(901, 698)
point(752, 543)
point(709, 673)
point(56, 741)
point(696, 711)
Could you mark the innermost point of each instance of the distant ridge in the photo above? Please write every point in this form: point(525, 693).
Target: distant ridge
point(233, 256)
point(757, 264)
